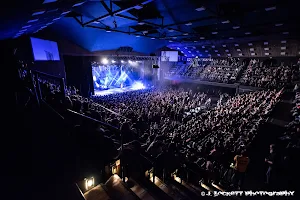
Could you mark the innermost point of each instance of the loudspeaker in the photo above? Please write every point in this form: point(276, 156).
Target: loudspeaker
point(155, 66)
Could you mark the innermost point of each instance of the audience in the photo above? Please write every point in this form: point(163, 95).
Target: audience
point(240, 167)
point(229, 71)
point(260, 76)
point(223, 71)
point(157, 120)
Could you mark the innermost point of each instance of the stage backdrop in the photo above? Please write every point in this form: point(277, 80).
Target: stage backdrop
point(79, 73)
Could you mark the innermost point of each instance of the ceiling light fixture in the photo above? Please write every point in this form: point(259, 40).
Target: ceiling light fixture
point(24, 27)
point(38, 12)
point(33, 20)
point(247, 33)
point(270, 8)
point(200, 9)
point(78, 4)
point(278, 25)
point(214, 33)
point(202, 38)
point(225, 22)
point(189, 24)
point(236, 27)
point(66, 12)
point(185, 34)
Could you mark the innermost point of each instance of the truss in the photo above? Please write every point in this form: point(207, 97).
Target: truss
point(131, 57)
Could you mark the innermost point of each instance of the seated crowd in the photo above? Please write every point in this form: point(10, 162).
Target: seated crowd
point(154, 118)
point(232, 71)
point(224, 71)
point(269, 77)
point(293, 128)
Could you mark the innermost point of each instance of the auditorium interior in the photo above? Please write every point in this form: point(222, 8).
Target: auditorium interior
point(151, 99)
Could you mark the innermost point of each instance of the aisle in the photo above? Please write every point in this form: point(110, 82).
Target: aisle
point(268, 134)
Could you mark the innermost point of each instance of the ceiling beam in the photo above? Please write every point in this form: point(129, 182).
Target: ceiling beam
point(193, 20)
point(105, 29)
point(106, 7)
point(170, 13)
point(119, 11)
point(119, 31)
point(145, 22)
point(180, 23)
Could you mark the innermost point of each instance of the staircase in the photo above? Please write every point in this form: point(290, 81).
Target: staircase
point(153, 189)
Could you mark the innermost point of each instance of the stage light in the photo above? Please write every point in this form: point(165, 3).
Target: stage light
point(122, 61)
point(129, 61)
point(89, 183)
point(113, 61)
point(94, 78)
point(104, 61)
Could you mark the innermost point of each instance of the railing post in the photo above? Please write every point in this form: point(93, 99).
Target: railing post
point(34, 87)
point(122, 163)
point(153, 174)
point(187, 176)
point(37, 84)
point(63, 87)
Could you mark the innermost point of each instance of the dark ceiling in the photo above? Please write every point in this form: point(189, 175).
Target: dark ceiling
point(102, 25)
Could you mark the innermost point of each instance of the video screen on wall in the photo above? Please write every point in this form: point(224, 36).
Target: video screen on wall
point(171, 56)
point(44, 50)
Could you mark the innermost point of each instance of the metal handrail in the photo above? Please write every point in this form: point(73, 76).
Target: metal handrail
point(94, 120)
point(61, 81)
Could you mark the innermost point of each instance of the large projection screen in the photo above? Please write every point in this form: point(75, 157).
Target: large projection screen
point(44, 50)
point(171, 56)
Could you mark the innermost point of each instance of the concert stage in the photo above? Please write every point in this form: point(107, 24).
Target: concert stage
point(115, 91)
